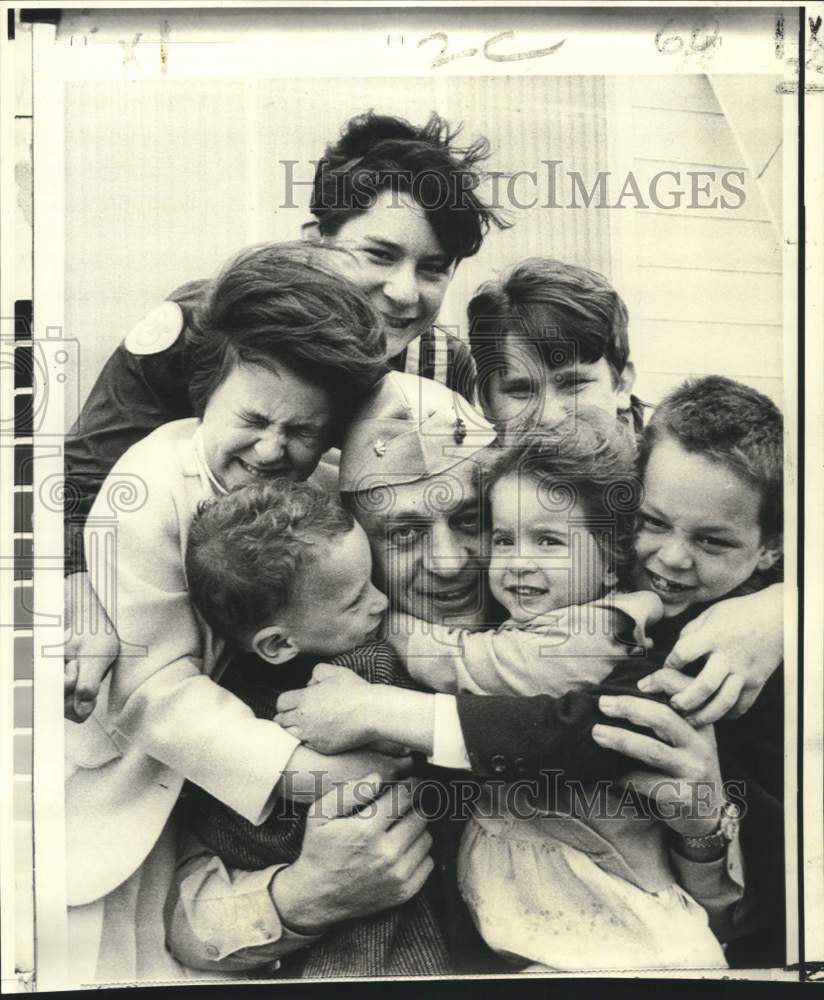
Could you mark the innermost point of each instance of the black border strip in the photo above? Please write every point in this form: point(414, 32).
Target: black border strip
point(49, 15)
point(802, 966)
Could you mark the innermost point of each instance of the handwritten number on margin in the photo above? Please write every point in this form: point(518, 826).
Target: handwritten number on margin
point(513, 56)
point(441, 59)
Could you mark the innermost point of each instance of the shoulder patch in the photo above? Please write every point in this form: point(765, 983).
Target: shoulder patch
point(157, 331)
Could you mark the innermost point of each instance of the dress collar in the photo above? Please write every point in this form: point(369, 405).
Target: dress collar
point(207, 477)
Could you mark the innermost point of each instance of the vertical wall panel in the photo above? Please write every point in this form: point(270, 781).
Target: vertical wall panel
point(704, 286)
point(154, 197)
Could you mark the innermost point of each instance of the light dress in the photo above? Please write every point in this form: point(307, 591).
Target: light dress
point(566, 887)
point(535, 897)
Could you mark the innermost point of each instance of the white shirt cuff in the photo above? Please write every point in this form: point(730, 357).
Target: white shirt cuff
point(448, 747)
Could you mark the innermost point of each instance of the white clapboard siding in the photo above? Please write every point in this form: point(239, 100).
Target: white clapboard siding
point(680, 241)
point(684, 136)
point(759, 135)
point(706, 294)
point(687, 347)
point(703, 285)
point(702, 193)
point(677, 92)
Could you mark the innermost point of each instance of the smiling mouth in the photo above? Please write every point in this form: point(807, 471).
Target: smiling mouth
point(666, 587)
point(262, 472)
point(524, 591)
point(452, 596)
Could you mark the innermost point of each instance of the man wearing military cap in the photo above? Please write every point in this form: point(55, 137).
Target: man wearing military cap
point(408, 468)
point(407, 465)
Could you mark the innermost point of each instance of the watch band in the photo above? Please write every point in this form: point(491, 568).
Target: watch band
point(717, 839)
point(728, 824)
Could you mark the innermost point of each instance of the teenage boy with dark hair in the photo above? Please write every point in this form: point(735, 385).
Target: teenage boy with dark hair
point(546, 335)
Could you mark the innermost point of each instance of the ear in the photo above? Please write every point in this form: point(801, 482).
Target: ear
point(770, 553)
point(274, 645)
point(623, 389)
point(610, 580)
point(310, 231)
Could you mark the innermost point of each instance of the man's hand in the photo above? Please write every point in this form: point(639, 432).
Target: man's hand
point(354, 865)
point(682, 775)
point(744, 640)
point(91, 647)
point(332, 713)
point(310, 775)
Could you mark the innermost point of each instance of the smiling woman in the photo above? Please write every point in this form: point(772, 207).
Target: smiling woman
point(400, 264)
point(404, 199)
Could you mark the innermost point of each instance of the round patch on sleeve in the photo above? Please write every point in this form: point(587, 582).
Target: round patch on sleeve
point(157, 331)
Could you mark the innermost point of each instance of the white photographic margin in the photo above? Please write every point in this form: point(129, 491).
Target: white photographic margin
point(48, 789)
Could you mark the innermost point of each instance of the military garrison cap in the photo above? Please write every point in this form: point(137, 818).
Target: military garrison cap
point(409, 428)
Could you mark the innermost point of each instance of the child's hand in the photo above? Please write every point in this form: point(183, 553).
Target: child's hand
point(744, 640)
point(644, 606)
point(682, 774)
point(332, 713)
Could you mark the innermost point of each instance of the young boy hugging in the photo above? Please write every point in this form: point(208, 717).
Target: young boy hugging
point(711, 524)
point(711, 528)
point(283, 571)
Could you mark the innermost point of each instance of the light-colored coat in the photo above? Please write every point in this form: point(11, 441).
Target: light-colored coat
point(160, 717)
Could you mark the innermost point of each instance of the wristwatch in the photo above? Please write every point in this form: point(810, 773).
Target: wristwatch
point(728, 825)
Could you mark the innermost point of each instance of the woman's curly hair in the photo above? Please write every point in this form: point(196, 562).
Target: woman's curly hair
point(381, 152)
